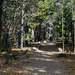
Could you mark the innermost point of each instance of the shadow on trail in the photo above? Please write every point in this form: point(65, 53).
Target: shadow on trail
point(49, 48)
point(42, 62)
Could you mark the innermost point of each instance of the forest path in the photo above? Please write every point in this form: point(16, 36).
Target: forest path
point(42, 62)
point(45, 61)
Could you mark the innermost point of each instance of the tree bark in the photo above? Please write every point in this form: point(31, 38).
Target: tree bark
point(73, 22)
point(33, 34)
point(22, 23)
point(1, 2)
point(62, 28)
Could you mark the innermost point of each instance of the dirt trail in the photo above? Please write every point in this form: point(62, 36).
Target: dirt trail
point(45, 62)
point(42, 62)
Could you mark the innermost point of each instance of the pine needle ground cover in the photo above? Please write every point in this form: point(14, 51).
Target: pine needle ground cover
point(47, 57)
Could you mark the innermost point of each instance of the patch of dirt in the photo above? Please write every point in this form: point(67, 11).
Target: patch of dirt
point(70, 63)
point(42, 62)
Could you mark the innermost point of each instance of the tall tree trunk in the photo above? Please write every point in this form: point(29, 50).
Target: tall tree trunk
point(13, 28)
point(33, 34)
point(73, 23)
point(22, 23)
point(39, 36)
point(16, 41)
point(62, 28)
point(1, 2)
point(44, 34)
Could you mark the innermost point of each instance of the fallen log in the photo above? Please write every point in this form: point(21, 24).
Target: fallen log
point(21, 54)
point(39, 46)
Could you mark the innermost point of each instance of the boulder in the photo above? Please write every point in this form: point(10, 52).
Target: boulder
point(60, 50)
point(45, 41)
point(34, 48)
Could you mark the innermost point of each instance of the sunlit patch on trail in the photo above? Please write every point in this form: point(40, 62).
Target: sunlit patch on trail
point(43, 59)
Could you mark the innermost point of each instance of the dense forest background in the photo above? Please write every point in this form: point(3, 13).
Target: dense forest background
point(26, 21)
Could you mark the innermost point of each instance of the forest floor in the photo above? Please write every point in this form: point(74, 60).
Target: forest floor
point(42, 62)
